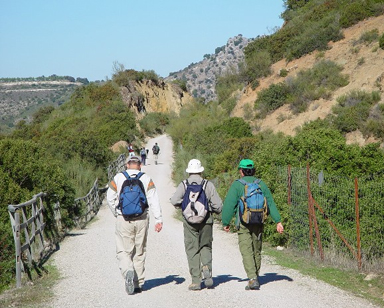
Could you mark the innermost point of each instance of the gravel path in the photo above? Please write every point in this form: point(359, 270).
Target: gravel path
point(91, 278)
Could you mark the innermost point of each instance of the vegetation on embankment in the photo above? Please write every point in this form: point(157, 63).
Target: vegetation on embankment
point(61, 152)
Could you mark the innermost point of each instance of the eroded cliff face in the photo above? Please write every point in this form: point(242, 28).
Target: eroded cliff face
point(149, 96)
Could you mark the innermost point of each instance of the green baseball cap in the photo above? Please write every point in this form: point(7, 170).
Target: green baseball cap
point(246, 164)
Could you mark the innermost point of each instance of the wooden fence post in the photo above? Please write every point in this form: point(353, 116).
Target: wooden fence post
point(15, 222)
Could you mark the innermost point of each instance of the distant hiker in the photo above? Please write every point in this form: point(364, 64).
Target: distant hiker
point(155, 151)
point(132, 220)
point(143, 154)
point(131, 151)
point(194, 195)
point(249, 224)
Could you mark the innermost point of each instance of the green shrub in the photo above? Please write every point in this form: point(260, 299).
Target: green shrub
point(229, 104)
point(353, 110)
point(181, 83)
point(315, 36)
point(123, 77)
point(283, 72)
point(154, 123)
point(356, 11)
point(381, 41)
point(369, 36)
point(226, 85)
point(271, 98)
point(258, 64)
point(313, 84)
point(375, 122)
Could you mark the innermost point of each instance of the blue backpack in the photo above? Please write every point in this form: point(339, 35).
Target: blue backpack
point(132, 199)
point(253, 208)
point(195, 202)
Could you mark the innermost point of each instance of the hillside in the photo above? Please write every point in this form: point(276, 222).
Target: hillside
point(19, 99)
point(201, 76)
point(363, 63)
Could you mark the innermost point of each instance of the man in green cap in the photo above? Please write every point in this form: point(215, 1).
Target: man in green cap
point(249, 235)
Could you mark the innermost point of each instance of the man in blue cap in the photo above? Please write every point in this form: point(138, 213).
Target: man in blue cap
point(249, 234)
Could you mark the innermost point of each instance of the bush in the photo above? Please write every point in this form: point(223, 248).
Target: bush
point(353, 110)
point(226, 85)
point(315, 36)
point(154, 123)
point(313, 84)
point(381, 41)
point(369, 36)
point(123, 77)
point(356, 11)
point(181, 83)
point(271, 98)
point(258, 64)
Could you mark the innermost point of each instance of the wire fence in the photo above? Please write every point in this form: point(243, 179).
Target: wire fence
point(336, 218)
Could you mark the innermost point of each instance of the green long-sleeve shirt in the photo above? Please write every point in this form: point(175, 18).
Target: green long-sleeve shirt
point(236, 191)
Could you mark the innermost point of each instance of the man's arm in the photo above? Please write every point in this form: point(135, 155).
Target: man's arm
point(216, 203)
point(112, 197)
point(177, 197)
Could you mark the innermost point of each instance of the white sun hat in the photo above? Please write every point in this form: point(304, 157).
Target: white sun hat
point(194, 166)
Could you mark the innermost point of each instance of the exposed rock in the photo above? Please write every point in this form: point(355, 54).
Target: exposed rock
point(201, 77)
point(371, 276)
point(119, 146)
point(149, 96)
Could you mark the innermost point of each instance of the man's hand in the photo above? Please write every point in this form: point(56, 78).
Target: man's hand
point(158, 226)
point(280, 228)
point(226, 228)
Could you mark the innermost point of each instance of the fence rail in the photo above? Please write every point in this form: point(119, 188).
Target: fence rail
point(88, 205)
point(28, 223)
point(117, 166)
point(27, 220)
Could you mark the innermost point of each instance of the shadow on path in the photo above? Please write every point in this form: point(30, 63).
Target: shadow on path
point(152, 283)
point(271, 277)
point(217, 280)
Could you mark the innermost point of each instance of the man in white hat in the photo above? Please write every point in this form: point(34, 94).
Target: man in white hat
point(198, 236)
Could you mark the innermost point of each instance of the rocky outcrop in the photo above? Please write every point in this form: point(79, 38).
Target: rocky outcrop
point(201, 77)
point(150, 96)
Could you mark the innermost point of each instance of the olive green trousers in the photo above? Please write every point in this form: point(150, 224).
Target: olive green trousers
point(250, 244)
point(198, 247)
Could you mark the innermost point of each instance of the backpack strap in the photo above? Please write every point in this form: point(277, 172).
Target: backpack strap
point(203, 184)
point(137, 176)
point(242, 182)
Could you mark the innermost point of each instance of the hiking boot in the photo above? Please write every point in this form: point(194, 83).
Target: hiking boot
point(253, 284)
point(194, 287)
point(207, 276)
point(129, 286)
point(138, 290)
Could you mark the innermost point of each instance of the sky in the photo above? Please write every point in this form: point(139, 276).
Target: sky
point(85, 38)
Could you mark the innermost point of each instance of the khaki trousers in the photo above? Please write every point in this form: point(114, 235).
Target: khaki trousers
point(250, 243)
point(131, 242)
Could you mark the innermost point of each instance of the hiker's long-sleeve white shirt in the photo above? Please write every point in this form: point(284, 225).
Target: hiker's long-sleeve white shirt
point(113, 193)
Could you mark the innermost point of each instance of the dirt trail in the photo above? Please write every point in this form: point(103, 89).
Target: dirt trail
point(91, 278)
